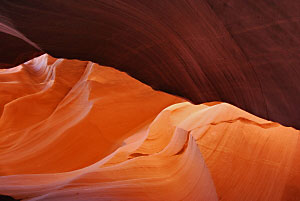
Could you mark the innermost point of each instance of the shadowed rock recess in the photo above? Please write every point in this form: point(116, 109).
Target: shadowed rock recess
point(242, 52)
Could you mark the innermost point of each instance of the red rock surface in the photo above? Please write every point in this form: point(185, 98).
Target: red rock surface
point(238, 51)
point(75, 130)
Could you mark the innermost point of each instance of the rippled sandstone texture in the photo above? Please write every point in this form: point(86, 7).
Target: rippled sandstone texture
point(243, 52)
point(75, 130)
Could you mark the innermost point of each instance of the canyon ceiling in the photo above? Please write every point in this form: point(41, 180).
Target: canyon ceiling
point(238, 51)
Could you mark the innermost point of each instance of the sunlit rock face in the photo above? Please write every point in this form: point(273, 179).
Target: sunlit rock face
point(243, 52)
point(66, 108)
point(75, 130)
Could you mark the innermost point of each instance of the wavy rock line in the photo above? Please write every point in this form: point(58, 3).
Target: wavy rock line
point(95, 133)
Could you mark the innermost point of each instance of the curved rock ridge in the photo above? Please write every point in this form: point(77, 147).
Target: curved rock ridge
point(241, 52)
point(74, 130)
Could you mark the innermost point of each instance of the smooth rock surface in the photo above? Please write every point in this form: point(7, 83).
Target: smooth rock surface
point(79, 131)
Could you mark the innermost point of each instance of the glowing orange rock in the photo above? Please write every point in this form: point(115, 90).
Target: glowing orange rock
point(83, 110)
point(74, 130)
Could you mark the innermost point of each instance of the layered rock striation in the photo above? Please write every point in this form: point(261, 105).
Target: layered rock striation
point(245, 53)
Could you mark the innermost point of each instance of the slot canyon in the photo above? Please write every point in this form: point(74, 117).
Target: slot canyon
point(149, 100)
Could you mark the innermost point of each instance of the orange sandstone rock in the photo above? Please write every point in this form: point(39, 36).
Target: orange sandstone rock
point(73, 130)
